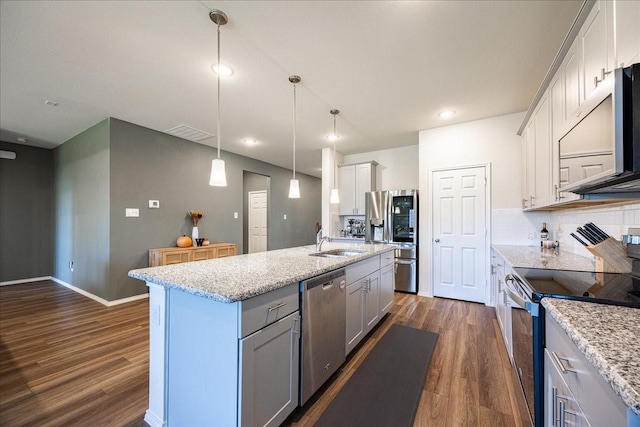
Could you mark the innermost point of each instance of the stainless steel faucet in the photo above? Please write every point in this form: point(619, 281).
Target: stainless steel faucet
point(320, 240)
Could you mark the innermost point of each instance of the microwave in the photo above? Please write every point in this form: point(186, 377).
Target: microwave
point(600, 150)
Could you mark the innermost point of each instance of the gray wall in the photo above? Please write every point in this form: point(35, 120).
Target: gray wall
point(146, 164)
point(26, 216)
point(81, 203)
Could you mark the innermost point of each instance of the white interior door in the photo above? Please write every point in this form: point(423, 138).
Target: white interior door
point(459, 200)
point(257, 221)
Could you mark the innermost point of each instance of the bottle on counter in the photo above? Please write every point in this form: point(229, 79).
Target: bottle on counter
point(544, 234)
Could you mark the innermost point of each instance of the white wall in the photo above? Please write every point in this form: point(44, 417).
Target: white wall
point(397, 167)
point(489, 141)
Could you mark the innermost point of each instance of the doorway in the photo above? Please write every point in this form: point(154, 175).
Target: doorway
point(255, 222)
point(257, 229)
point(460, 247)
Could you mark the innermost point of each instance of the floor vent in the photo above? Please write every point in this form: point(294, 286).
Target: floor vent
point(187, 132)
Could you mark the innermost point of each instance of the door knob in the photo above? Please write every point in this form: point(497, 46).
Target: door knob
point(437, 240)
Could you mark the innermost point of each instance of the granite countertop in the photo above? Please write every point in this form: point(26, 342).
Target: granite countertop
point(536, 257)
point(241, 277)
point(608, 337)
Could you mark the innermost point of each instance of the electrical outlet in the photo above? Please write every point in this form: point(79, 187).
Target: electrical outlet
point(131, 212)
point(154, 204)
point(71, 266)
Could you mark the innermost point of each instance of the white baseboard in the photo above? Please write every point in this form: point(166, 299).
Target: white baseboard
point(424, 294)
point(153, 420)
point(17, 282)
point(78, 290)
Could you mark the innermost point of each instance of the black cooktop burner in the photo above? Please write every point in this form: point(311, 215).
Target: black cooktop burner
point(607, 288)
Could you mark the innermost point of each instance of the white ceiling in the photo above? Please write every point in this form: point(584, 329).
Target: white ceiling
point(389, 66)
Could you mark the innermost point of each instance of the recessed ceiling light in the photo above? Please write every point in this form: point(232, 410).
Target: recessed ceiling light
point(223, 70)
point(332, 137)
point(447, 114)
point(51, 103)
point(250, 141)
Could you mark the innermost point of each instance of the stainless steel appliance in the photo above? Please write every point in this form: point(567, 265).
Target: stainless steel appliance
point(527, 287)
point(392, 217)
point(323, 311)
point(377, 224)
point(600, 149)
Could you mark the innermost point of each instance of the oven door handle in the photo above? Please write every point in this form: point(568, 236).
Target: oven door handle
point(528, 305)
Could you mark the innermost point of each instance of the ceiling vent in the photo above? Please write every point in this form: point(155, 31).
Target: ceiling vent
point(187, 132)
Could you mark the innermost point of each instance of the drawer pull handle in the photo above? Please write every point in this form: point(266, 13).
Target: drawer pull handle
point(554, 404)
point(558, 360)
point(275, 307)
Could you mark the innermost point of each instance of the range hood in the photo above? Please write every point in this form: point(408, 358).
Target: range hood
point(628, 184)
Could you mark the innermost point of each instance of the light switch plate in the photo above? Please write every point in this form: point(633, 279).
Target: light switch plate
point(131, 212)
point(285, 216)
point(154, 204)
point(235, 215)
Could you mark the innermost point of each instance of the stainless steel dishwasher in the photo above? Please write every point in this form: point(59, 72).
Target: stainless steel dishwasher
point(323, 311)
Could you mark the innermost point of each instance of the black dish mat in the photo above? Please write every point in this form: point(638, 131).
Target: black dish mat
point(385, 389)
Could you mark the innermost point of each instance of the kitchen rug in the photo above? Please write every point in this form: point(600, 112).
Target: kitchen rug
point(385, 389)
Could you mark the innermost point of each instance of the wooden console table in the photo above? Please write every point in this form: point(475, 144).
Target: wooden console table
point(166, 256)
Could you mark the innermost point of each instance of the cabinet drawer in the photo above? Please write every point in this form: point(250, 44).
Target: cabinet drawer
point(260, 311)
point(226, 251)
point(386, 258)
point(600, 404)
point(561, 408)
point(363, 268)
point(175, 257)
point(202, 254)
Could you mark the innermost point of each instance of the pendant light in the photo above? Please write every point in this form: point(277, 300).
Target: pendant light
point(294, 184)
point(218, 175)
point(335, 196)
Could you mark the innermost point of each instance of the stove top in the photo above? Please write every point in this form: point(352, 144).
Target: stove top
point(606, 288)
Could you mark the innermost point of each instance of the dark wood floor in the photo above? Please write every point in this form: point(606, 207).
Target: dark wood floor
point(67, 360)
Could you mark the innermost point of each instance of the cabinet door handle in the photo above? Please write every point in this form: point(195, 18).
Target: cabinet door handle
point(531, 201)
point(603, 74)
point(558, 360)
point(562, 409)
point(294, 330)
point(277, 306)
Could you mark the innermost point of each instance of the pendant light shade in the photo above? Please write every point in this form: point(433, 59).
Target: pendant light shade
point(218, 174)
point(294, 189)
point(335, 195)
point(294, 184)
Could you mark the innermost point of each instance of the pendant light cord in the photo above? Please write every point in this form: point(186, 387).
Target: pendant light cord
point(218, 80)
point(294, 131)
point(335, 135)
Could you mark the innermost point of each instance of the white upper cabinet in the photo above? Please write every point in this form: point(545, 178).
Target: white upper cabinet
point(627, 32)
point(570, 72)
point(355, 181)
point(542, 153)
point(596, 41)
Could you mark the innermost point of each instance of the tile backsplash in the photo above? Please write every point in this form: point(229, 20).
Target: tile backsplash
point(514, 227)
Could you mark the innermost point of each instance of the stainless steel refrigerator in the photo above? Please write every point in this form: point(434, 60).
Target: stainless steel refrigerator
point(392, 217)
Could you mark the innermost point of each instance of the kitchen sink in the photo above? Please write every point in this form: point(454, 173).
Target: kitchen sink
point(337, 253)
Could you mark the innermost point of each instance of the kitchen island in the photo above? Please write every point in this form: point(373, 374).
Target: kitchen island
point(223, 331)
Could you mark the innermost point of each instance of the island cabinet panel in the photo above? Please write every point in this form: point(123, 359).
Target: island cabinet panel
point(231, 364)
point(167, 256)
point(372, 300)
point(387, 286)
point(355, 326)
point(269, 373)
point(599, 403)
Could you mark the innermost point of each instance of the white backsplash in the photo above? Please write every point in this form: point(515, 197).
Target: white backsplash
point(514, 227)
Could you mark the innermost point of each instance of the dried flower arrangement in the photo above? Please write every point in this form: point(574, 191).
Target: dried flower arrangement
point(196, 216)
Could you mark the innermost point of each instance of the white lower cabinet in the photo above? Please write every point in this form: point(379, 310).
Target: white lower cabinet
point(355, 317)
point(369, 296)
point(372, 300)
point(574, 390)
point(560, 406)
point(269, 380)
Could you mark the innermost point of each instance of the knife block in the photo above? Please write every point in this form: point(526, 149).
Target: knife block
point(611, 256)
